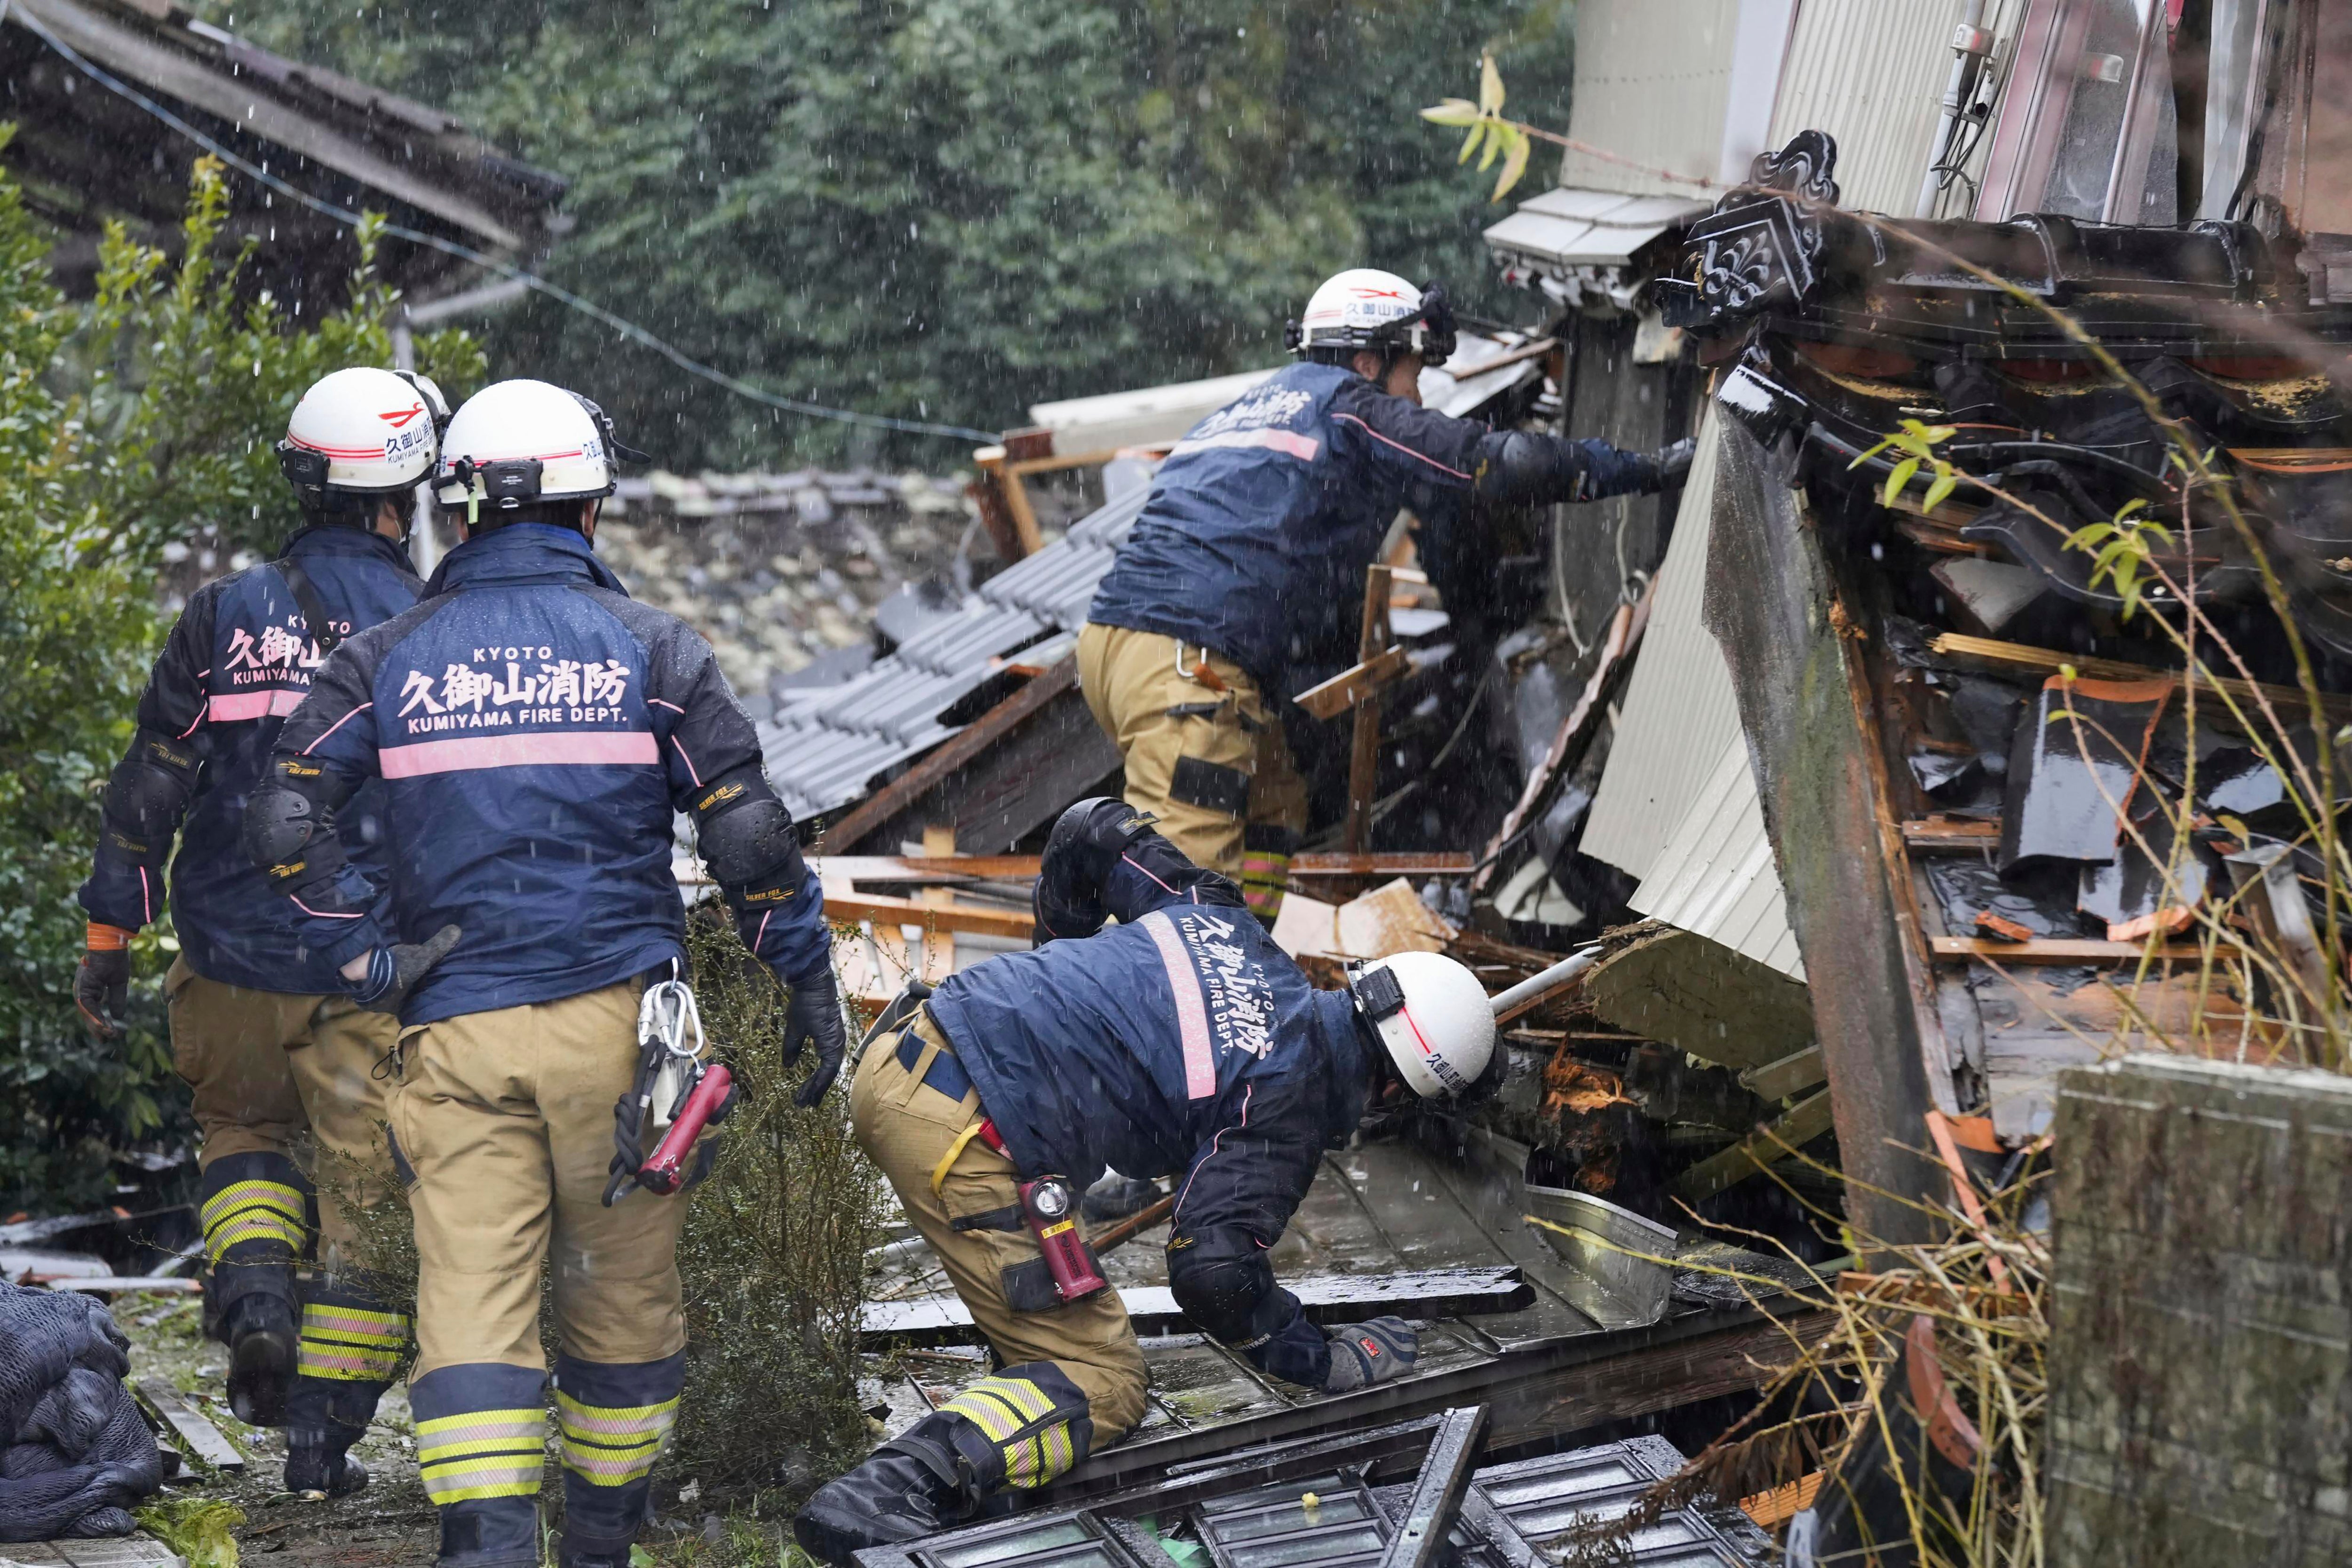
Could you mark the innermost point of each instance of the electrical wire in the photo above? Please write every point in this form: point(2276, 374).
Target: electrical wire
point(627, 328)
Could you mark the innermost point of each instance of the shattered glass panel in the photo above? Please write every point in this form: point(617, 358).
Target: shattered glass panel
point(1018, 1544)
point(1321, 1546)
point(1289, 1491)
point(1347, 1508)
point(1568, 1481)
point(2094, 111)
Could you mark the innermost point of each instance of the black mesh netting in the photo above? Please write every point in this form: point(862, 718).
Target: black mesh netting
point(73, 1450)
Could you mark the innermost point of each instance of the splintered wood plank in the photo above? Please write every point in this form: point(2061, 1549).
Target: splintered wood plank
point(203, 1438)
point(2001, 658)
point(2061, 950)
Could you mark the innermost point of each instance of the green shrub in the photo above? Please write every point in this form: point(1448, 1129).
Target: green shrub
point(141, 419)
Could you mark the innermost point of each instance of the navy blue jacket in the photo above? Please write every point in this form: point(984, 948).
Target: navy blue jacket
point(236, 662)
point(1259, 525)
point(535, 729)
point(1179, 1042)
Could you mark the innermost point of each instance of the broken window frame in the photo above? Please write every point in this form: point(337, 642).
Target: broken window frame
point(2041, 100)
point(1380, 1472)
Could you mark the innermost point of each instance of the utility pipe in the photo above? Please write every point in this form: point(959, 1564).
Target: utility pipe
point(1528, 993)
point(1970, 46)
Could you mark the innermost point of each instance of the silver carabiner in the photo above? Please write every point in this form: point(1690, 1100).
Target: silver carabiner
point(666, 1015)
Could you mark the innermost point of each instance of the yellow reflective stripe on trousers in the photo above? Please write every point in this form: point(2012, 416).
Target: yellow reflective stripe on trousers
point(613, 1445)
point(483, 1453)
point(351, 1344)
point(252, 1211)
point(1002, 1407)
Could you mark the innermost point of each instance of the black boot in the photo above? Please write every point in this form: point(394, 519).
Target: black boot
point(489, 1533)
point(907, 1489)
point(579, 1550)
point(322, 1470)
point(261, 1358)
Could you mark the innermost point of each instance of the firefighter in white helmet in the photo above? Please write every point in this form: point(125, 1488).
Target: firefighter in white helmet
point(266, 1032)
point(1242, 582)
point(1179, 1042)
point(534, 730)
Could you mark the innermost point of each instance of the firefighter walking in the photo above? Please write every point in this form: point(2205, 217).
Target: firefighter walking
point(265, 1031)
point(534, 729)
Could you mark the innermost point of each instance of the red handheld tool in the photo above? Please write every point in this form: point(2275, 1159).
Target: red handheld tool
point(666, 1166)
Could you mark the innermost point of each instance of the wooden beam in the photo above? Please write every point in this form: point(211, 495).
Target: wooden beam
point(1945, 835)
point(991, 461)
point(922, 870)
point(966, 744)
point(1364, 744)
point(847, 905)
point(1431, 862)
point(187, 1423)
point(1766, 1146)
point(2059, 950)
point(1341, 692)
point(2018, 659)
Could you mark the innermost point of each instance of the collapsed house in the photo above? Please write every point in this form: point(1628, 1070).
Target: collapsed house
point(108, 97)
point(1876, 800)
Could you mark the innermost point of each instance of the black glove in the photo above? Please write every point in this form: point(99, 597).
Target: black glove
point(102, 981)
point(813, 1017)
point(1381, 1351)
point(392, 972)
point(1674, 462)
point(1086, 842)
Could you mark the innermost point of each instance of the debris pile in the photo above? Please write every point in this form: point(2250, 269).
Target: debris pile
point(74, 1451)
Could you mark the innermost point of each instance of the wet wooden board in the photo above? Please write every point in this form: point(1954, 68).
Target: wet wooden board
point(203, 1438)
point(1327, 1298)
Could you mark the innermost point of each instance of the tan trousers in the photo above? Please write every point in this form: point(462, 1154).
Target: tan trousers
point(267, 1067)
point(1211, 765)
point(506, 1119)
point(907, 1129)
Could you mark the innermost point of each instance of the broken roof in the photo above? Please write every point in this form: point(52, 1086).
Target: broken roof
point(86, 152)
point(1571, 227)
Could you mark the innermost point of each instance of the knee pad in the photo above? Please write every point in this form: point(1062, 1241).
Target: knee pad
point(146, 796)
point(1223, 1284)
point(748, 838)
point(289, 822)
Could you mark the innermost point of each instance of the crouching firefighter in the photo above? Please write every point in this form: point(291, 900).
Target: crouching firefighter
point(534, 729)
point(1179, 1042)
point(1243, 580)
point(270, 1039)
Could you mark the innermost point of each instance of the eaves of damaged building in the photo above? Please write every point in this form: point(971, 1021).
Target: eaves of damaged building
point(1917, 750)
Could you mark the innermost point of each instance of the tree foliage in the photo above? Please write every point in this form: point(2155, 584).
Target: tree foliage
point(946, 208)
point(141, 419)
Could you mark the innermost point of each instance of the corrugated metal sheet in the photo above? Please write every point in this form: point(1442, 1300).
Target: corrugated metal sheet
point(1677, 806)
point(1715, 875)
point(1872, 74)
point(1678, 708)
point(1652, 80)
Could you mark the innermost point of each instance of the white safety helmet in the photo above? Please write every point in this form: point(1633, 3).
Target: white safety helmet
point(1365, 308)
point(1432, 1015)
point(521, 442)
point(360, 435)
